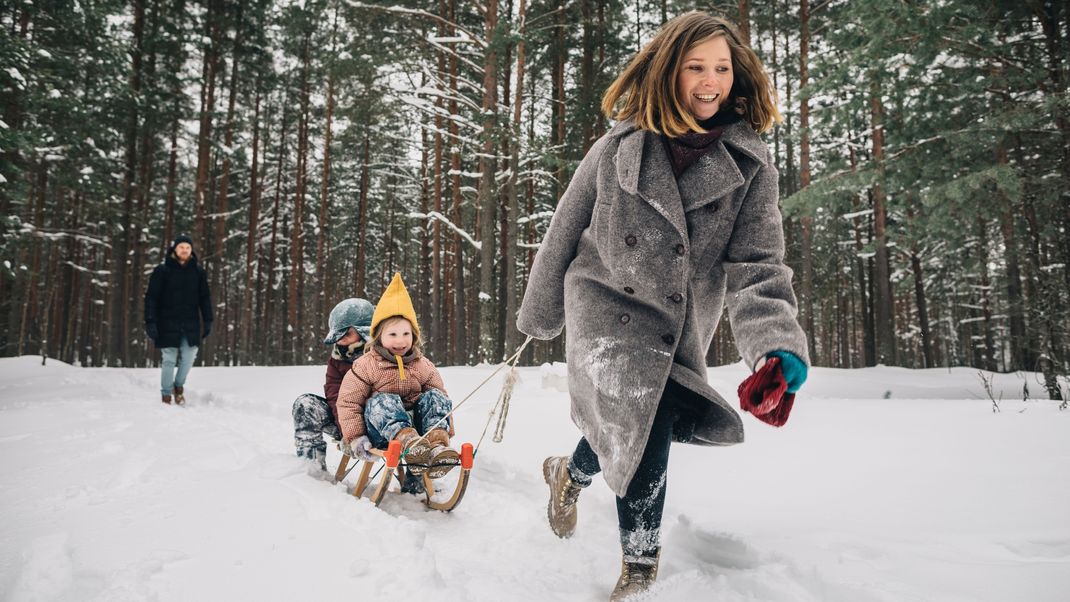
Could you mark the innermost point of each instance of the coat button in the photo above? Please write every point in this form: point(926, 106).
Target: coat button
point(668, 338)
point(629, 240)
point(629, 290)
point(625, 318)
point(681, 249)
point(676, 297)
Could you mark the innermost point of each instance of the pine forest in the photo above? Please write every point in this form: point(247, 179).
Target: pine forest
point(312, 148)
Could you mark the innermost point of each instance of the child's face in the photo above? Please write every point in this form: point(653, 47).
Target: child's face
point(352, 336)
point(706, 78)
point(397, 337)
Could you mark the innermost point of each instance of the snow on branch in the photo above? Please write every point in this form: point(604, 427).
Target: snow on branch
point(436, 216)
point(534, 216)
point(862, 213)
point(472, 38)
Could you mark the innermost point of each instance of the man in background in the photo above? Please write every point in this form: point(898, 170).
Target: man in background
point(178, 288)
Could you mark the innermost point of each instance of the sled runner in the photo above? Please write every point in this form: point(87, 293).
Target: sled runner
point(394, 468)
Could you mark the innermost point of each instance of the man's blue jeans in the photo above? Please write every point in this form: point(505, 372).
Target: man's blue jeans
point(183, 356)
point(385, 415)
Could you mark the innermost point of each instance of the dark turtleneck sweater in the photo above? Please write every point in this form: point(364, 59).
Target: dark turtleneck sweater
point(685, 150)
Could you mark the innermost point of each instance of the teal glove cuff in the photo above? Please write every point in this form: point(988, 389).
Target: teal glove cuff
point(794, 369)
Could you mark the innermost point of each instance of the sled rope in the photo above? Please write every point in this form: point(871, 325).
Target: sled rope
point(511, 362)
point(503, 399)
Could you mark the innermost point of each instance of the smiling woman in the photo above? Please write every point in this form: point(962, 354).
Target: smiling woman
point(671, 216)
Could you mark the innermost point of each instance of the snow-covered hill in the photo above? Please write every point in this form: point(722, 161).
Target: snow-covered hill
point(886, 485)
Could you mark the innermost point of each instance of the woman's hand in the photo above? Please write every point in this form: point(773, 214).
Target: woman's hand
point(794, 369)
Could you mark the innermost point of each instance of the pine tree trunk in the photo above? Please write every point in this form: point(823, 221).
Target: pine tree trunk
point(455, 283)
point(426, 312)
point(989, 360)
point(295, 298)
point(804, 176)
point(245, 317)
point(204, 135)
point(220, 277)
point(512, 301)
point(923, 310)
point(119, 298)
point(323, 238)
point(268, 329)
point(488, 203)
point(885, 318)
point(438, 321)
point(360, 283)
point(743, 24)
point(1051, 16)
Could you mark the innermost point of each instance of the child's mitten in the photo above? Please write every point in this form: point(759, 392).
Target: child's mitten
point(360, 448)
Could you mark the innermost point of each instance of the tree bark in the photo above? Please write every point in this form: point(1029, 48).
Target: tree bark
point(295, 298)
point(804, 174)
point(512, 302)
point(744, 21)
point(360, 283)
point(488, 203)
point(885, 318)
point(252, 235)
point(323, 238)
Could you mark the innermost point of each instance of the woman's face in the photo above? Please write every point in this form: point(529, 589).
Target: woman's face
point(397, 337)
point(705, 79)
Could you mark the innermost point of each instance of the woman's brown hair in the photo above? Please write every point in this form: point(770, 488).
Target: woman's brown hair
point(646, 89)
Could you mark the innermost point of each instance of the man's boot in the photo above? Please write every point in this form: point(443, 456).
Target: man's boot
point(442, 458)
point(561, 510)
point(417, 450)
point(637, 574)
point(179, 397)
point(166, 399)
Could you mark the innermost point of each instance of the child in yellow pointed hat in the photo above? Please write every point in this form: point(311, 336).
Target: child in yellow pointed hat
point(394, 392)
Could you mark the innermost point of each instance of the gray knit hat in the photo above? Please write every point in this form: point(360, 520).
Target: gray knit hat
point(349, 313)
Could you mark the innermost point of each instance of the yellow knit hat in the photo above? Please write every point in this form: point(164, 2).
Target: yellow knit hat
point(395, 302)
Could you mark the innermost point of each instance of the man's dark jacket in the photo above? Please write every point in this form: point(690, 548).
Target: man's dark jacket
point(176, 292)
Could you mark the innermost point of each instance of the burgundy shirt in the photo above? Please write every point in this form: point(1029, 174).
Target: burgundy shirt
point(686, 150)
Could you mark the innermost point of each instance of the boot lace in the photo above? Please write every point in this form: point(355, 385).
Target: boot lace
point(569, 493)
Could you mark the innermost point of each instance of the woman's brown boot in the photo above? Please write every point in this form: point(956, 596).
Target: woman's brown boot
point(561, 510)
point(636, 577)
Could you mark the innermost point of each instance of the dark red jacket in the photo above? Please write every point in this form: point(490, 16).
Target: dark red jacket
point(340, 362)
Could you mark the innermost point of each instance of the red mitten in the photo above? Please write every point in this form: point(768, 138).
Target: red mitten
point(765, 395)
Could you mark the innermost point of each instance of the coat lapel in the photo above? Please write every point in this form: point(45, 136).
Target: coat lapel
point(643, 169)
point(714, 176)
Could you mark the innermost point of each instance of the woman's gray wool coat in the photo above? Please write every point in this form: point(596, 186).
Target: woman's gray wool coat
point(638, 267)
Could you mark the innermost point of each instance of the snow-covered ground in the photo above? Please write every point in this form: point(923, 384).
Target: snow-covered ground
point(886, 485)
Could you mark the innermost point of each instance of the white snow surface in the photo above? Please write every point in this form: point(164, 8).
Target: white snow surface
point(926, 495)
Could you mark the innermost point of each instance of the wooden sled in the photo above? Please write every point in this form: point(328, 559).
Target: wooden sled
point(395, 469)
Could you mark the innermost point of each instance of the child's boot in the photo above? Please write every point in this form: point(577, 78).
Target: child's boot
point(561, 510)
point(417, 450)
point(443, 458)
point(180, 397)
point(166, 399)
point(637, 574)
